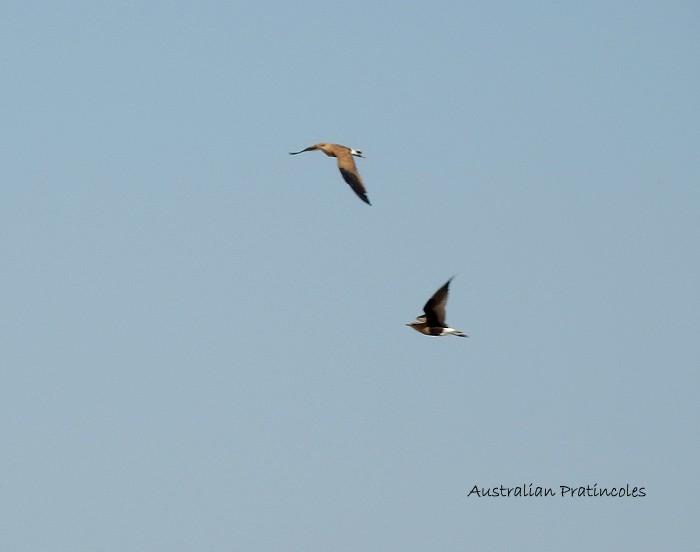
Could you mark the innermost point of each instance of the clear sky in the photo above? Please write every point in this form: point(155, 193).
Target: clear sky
point(202, 338)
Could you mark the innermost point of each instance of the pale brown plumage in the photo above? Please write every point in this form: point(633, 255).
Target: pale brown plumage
point(346, 165)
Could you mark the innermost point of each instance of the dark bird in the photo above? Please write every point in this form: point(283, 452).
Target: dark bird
point(433, 321)
point(346, 164)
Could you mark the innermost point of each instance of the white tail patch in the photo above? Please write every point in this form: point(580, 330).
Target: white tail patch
point(452, 331)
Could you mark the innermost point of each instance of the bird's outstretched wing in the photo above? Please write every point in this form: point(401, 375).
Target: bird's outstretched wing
point(435, 307)
point(310, 148)
point(356, 184)
point(346, 165)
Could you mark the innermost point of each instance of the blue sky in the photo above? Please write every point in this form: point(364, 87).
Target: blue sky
point(202, 338)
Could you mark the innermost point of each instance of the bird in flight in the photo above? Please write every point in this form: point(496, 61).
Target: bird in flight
point(346, 164)
point(433, 321)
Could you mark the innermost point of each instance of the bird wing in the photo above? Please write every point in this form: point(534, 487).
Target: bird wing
point(347, 167)
point(435, 307)
point(310, 148)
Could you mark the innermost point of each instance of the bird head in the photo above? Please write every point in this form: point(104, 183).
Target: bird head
point(419, 321)
point(357, 153)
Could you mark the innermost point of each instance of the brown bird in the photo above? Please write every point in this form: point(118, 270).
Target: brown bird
point(346, 164)
point(433, 322)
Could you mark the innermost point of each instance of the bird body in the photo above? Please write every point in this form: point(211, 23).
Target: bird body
point(433, 321)
point(346, 165)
